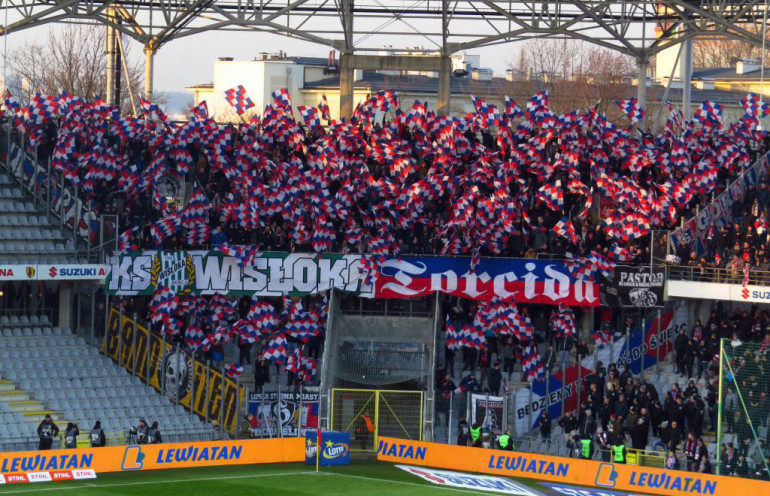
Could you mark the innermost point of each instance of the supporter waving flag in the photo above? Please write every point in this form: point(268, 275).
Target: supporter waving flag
point(310, 116)
point(531, 367)
point(234, 370)
point(282, 99)
point(632, 109)
point(238, 99)
point(709, 113)
point(451, 335)
point(323, 106)
point(565, 229)
point(199, 112)
point(276, 349)
point(512, 111)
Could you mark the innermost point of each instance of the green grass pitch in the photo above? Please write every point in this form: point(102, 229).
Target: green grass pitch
point(361, 477)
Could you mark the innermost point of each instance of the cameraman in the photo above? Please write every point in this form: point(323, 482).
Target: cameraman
point(71, 436)
point(46, 431)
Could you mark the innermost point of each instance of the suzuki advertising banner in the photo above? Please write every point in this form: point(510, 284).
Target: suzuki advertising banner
point(642, 349)
point(277, 274)
point(610, 476)
point(55, 272)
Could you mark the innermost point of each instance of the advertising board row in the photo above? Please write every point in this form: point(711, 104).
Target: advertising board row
point(277, 274)
point(54, 272)
point(621, 477)
point(155, 456)
point(173, 372)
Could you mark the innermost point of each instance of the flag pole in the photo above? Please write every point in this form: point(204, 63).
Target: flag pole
point(318, 449)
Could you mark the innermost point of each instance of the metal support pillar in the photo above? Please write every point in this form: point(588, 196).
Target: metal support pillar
point(641, 89)
point(149, 61)
point(347, 83)
point(444, 86)
point(686, 76)
point(109, 50)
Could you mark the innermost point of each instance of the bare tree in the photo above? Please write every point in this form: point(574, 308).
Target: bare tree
point(71, 59)
point(576, 74)
point(720, 51)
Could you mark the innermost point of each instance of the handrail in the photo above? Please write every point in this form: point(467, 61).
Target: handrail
point(717, 275)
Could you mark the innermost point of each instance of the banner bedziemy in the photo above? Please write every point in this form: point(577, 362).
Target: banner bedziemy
point(277, 274)
point(642, 350)
point(631, 478)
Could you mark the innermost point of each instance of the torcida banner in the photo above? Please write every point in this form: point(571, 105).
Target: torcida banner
point(295, 274)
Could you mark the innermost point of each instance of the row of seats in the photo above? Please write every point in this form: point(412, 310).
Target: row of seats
point(29, 234)
point(35, 246)
point(118, 395)
point(27, 320)
point(23, 220)
point(20, 354)
point(82, 386)
point(7, 192)
point(16, 206)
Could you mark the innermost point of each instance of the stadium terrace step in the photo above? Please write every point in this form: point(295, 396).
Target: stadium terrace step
point(25, 406)
point(7, 386)
point(37, 415)
point(13, 395)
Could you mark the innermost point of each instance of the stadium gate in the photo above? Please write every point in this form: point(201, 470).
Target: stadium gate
point(383, 351)
point(395, 414)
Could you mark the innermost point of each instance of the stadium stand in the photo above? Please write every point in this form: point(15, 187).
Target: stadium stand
point(28, 236)
point(240, 201)
point(48, 370)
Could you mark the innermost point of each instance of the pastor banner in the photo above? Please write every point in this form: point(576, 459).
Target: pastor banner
point(636, 286)
point(186, 380)
point(294, 412)
point(277, 274)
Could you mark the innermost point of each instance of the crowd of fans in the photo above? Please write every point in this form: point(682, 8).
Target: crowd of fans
point(736, 252)
point(621, 411)
point(518, 184)
point(411, 180)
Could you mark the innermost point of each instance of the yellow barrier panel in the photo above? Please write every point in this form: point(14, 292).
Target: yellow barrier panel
point(157, 456)
point(564, 470)
point(193, 374)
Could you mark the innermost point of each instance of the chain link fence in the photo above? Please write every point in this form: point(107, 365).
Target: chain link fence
point(744, 383)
